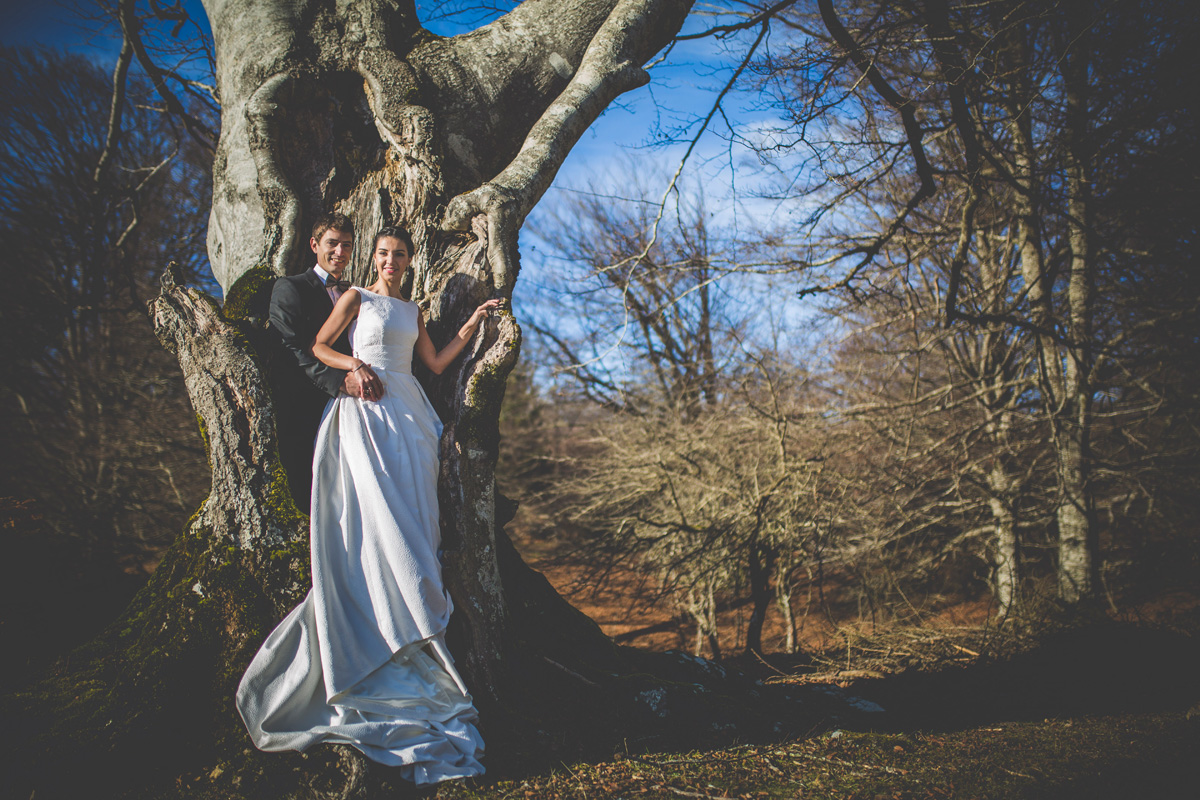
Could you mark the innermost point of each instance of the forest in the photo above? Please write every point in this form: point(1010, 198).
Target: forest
point(838, 440)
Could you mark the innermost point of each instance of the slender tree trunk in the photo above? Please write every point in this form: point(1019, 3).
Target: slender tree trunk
point(999, 377)
point(1005, 558)
point(702, 607)
point(1078, 546)
point(714, 633)
point(783, 600)
point(761, 563)
point(1064, 361)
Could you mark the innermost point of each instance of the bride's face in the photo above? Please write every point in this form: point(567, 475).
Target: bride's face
point(391, 258)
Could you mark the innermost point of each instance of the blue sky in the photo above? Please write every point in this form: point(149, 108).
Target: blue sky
point(47, 23)
point(55, 23)
point(682, 90)
point(683, 87)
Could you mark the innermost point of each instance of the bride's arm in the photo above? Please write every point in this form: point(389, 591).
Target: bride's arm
point(438, 360)
point(361, 380)
point(343, 313)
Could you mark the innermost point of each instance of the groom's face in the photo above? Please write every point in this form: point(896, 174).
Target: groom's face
point(333, 250)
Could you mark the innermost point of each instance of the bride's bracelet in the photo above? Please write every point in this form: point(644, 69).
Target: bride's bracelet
point(360, 366)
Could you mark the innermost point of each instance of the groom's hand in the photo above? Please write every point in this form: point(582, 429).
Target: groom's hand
point(364, 383)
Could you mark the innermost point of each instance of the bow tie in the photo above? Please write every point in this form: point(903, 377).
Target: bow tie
point(333, 283)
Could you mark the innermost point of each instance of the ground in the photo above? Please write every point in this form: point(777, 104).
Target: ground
point(1127, 756)
point(1093, 709)
point(1081, 708)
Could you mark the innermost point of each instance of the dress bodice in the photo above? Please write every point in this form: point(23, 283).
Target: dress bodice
point(385, 331)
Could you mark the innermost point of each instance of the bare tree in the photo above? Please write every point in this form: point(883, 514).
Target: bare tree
point(1016, 109)
point(96, 409)
point(952, 411)
point(701, 471)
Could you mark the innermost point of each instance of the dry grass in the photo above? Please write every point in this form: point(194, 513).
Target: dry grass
point(1106, 757)
point(1053, 708)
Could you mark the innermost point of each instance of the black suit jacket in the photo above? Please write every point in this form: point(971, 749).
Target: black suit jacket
point(299, 307)
point(303, 385)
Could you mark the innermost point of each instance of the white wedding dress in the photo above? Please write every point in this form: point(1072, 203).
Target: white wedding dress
point(362, 661)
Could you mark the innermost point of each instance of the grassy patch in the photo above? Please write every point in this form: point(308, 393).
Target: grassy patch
point(1146, 755)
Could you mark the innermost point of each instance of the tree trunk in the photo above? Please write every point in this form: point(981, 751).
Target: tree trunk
point(761, 565)
point(783, 598)
point(701, 606)
point(1078, 546)
point(999, 374)
point(1006, 580)
point(1064, 362)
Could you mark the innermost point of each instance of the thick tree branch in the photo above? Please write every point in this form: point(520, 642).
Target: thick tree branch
point(610, 67)
point(514, 67)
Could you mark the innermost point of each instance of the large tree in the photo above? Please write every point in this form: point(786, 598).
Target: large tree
point(354, 106)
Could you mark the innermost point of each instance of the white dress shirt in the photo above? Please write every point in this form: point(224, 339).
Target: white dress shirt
point(334, 292)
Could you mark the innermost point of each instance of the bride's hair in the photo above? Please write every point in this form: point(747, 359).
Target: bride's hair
point(394, 232)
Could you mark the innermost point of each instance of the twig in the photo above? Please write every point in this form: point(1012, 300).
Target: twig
point(570, 672)
point(673, 761)
point(685, 793)
point(582, 787)
point(771, 667)
point(839, 762)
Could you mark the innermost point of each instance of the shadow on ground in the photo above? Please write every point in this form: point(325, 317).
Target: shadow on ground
point(1096, 670)
point(1092, 713)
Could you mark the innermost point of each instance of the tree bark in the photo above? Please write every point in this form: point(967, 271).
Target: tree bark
point(783, 598)
point(1078, 541)
point(1006, 580)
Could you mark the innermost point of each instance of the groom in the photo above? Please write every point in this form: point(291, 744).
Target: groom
point(300, 304)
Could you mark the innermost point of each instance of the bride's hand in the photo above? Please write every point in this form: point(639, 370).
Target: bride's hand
point(438, 360)
point(363, 382)
point(484, 311)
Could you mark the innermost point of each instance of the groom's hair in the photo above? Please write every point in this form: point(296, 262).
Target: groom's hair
point(332, 221)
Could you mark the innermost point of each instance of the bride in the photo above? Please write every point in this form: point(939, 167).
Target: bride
point(363, 660)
